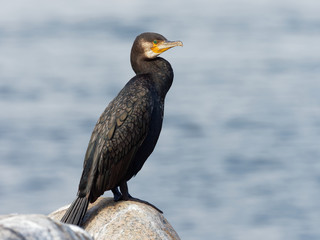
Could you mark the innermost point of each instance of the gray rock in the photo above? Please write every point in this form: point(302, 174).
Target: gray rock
point(106, 219)
point(38, 227)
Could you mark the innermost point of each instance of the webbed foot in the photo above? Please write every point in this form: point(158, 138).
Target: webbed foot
point(126, 196)
point(145, 202)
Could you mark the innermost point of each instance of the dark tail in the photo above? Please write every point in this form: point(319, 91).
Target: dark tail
point(76, 211)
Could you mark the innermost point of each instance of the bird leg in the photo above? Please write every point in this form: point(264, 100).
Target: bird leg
point(116, 194)
point(124, 191)
point(126, 196)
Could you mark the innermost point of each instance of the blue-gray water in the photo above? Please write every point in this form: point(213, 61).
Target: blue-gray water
point(238, 156)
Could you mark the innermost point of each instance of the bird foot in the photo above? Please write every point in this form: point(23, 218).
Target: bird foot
point(125, 196)
point(120, 197)
point(145, 202)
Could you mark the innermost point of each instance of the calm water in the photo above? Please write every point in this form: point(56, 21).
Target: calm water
point(238, 157)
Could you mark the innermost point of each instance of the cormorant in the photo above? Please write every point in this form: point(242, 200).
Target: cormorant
point(128, 129)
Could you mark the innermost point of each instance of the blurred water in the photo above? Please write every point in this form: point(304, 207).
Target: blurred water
point(238, 157)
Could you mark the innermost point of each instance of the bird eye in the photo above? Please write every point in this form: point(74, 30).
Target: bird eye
point(155, 41)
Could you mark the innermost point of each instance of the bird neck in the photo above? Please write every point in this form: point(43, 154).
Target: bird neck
point(160, 70)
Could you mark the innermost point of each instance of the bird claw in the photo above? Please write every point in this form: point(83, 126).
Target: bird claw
point(145, 202)
point(119, 197)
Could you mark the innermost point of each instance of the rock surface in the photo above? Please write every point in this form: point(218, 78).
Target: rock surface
point(106, 219)
point(33, 227)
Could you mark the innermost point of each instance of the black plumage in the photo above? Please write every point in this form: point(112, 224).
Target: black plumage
point(127, 131)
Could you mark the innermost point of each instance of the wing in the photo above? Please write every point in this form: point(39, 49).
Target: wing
point(117, 136)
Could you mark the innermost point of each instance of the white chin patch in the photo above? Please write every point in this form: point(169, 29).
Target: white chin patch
point(151, 54)
point(148, 53)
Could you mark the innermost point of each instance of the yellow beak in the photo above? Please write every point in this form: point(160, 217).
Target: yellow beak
point(164, 46)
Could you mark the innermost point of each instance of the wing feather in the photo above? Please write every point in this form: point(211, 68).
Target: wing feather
point(117, 136)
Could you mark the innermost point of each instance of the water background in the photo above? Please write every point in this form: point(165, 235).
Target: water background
point(239, 154)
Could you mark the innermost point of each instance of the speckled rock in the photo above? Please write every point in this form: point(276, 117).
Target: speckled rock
point(33, 227)
point(106, 219)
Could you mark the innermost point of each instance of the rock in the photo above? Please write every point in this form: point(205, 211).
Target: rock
point(31, 227)
point(106, 219)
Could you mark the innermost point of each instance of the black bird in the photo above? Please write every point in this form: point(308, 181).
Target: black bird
point(128, 129)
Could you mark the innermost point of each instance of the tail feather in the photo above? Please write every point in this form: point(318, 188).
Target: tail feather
point(76, 211)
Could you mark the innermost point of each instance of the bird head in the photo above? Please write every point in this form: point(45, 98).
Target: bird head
point(150, 45)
